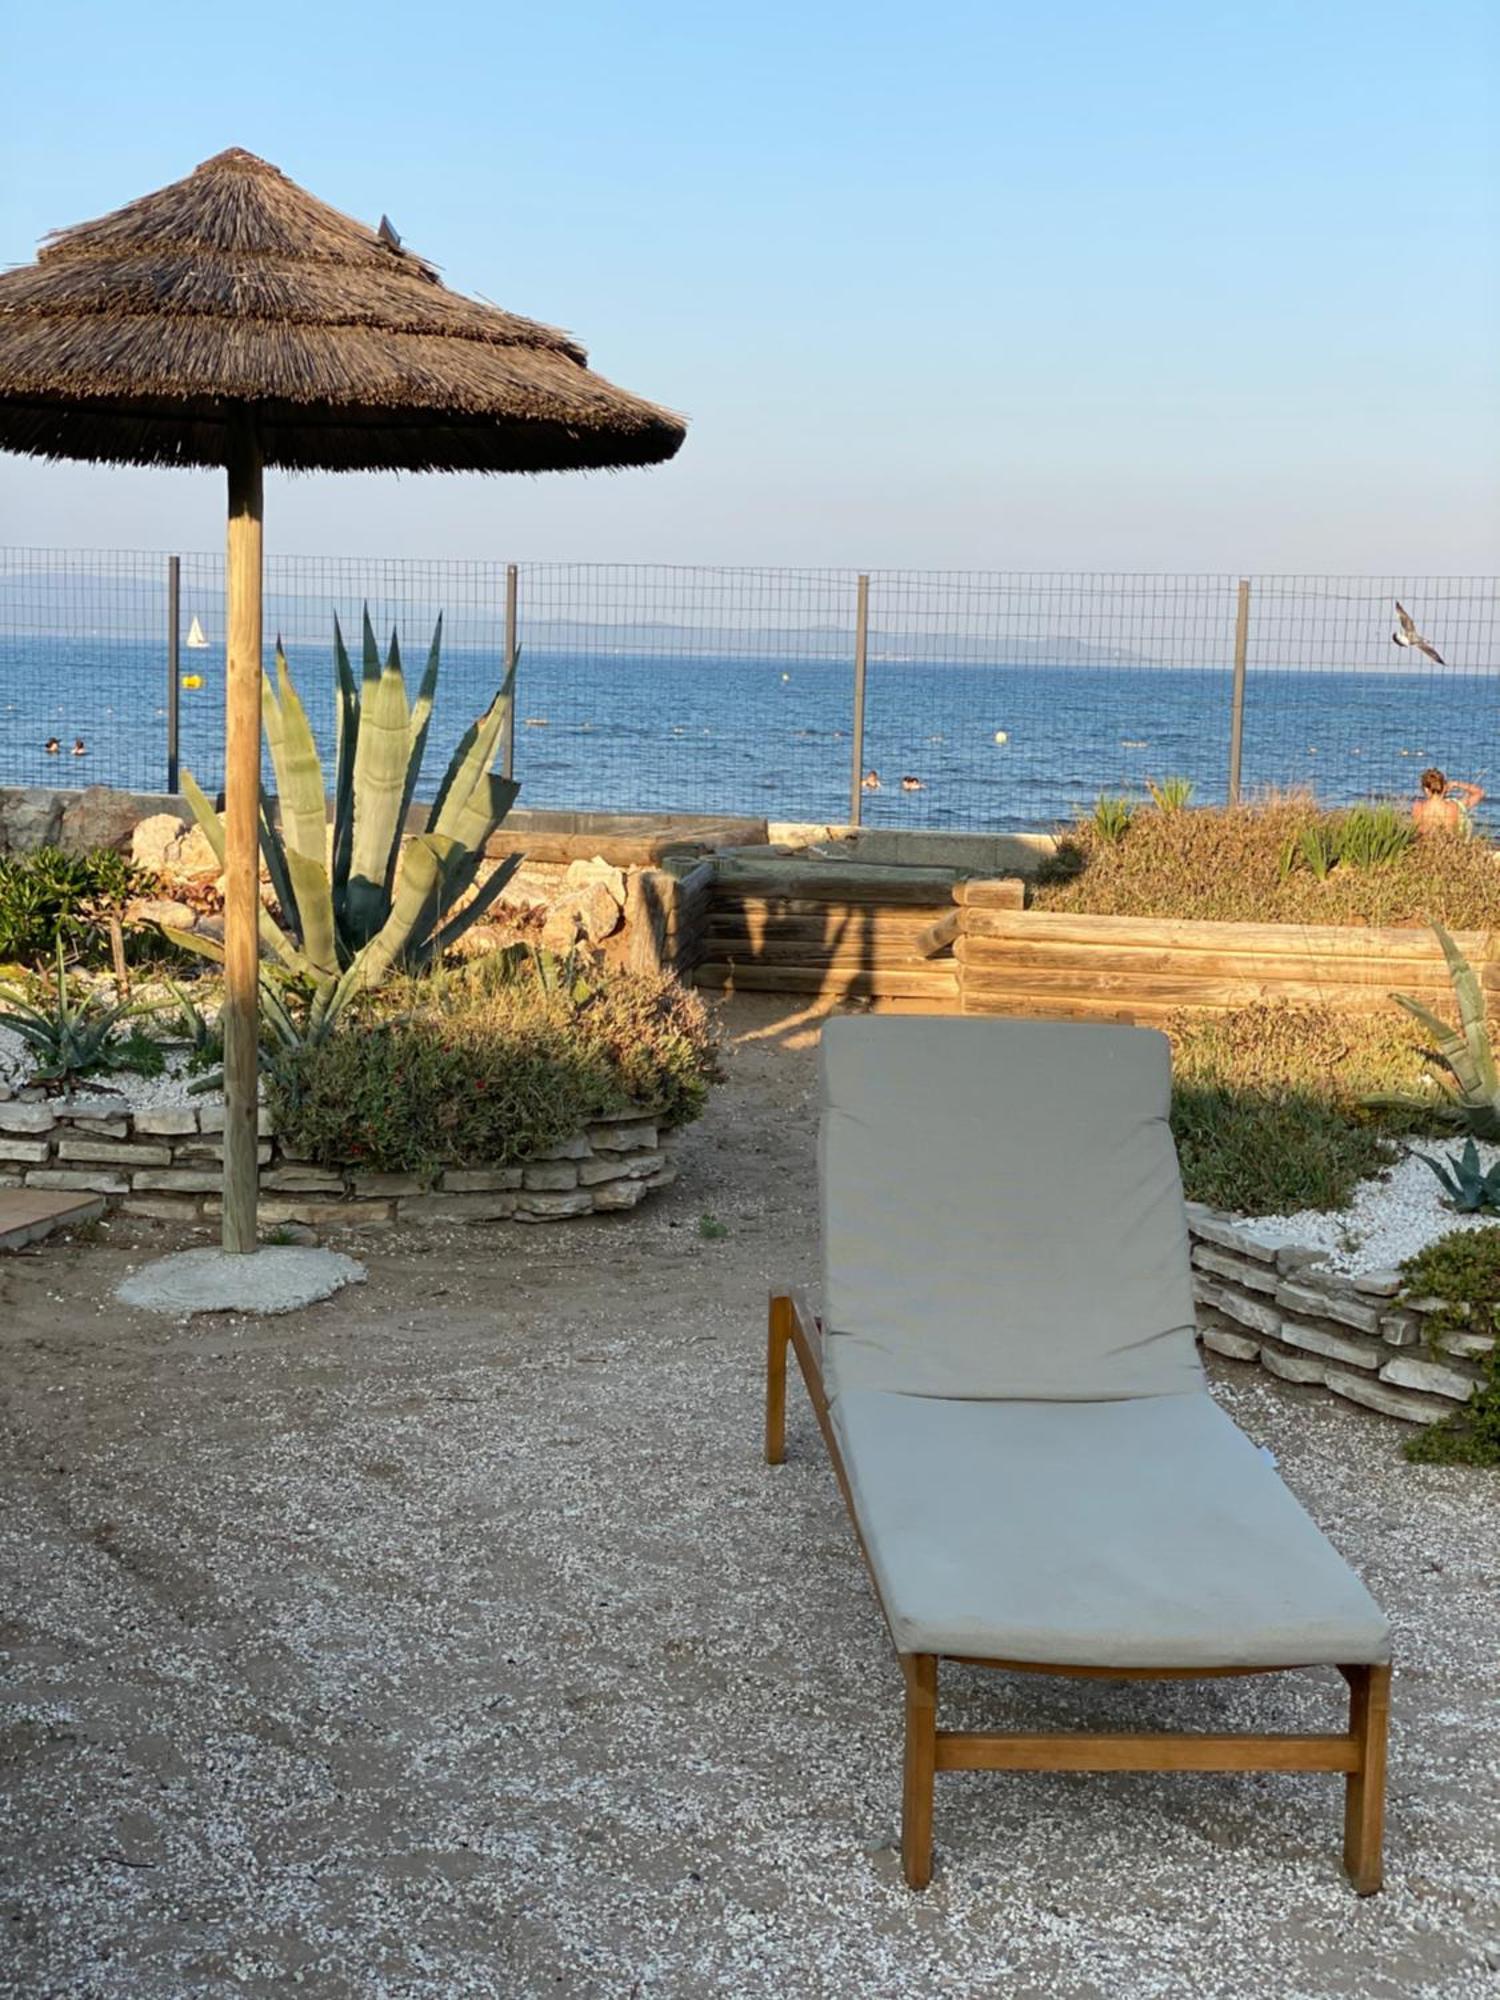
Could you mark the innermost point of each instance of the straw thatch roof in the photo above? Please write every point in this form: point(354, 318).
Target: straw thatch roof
point(131, 339)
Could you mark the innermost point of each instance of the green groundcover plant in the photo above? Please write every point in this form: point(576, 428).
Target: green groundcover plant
point(1463, 1270)
point(488, 1064)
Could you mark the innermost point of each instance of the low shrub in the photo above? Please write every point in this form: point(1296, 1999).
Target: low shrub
point(469, 1068)
point(1282, 861)
point(1268, 1104)
point(48, 897)
point(1463, 1269)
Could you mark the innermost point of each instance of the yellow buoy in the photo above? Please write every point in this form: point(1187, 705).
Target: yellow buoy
point(1001, 736)
point(192, 680)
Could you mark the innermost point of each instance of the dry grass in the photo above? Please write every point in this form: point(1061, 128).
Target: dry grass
point(1230, 866)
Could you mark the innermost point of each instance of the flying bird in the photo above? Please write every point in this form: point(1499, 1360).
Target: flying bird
point(1406, 634)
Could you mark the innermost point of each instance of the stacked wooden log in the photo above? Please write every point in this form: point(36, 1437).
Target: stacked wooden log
point(666, 918)
point(829, 933)
point(1143, 969)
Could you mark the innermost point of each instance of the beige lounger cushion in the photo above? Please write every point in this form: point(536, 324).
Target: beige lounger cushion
point(1002, 1214)
point(1147, 1533)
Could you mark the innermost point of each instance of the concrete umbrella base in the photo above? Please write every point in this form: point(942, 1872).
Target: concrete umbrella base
point(278, 1279)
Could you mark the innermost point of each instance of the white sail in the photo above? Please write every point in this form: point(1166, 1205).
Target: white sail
point(195, 639)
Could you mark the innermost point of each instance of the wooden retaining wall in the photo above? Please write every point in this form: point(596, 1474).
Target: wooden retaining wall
point(912, 940)
point(1143, 969)
point(828, 934)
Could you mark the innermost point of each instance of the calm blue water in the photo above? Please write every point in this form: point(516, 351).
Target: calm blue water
point(635, 732)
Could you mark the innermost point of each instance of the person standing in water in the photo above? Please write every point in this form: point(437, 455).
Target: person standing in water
point(1445, 805)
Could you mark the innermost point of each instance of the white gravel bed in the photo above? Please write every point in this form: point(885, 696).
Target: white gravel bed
point(132, 1091)
point(1392, 1216)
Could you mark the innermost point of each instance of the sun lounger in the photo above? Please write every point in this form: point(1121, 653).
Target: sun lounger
point(1007, 1379)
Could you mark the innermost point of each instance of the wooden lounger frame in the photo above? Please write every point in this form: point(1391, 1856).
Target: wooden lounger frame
point(1359, 1754)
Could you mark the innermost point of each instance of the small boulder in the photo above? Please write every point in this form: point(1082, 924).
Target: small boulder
point(585, 874)
point(598, 911)
point(191, 857)
point(153, 838)
point(563, 927)
point(164, 911)
point(97, 818)
point(30, 818)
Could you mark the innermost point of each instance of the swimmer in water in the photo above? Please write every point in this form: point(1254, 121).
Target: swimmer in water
point(911, 784)
point(52, 746)
point(870, 782)
point(79, 747)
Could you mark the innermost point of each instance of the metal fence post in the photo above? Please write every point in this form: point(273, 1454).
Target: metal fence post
point(1237, 697)
point(861, 651)
point(174, 677)
point(508, 755)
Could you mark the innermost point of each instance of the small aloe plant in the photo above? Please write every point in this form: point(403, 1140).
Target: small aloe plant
point(1468, 1186)
point(69, 1040)
point(366, 901)
point(1463, 1056)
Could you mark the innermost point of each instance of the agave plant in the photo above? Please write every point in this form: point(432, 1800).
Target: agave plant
point(365, 901)
point(1463, 1056)
point(1468, 1186)
point(68, 1041)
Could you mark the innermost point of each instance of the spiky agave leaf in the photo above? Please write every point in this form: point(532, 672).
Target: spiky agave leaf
point(346, 723)
point(379, 784)
point(1469, 994)
point(271, 933)
point(442, 940)
point(415, 910)
point(421, 721)
point(472, 761)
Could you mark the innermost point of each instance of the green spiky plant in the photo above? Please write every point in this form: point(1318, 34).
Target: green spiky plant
point(69, 1039)
point(368, 902)
point(1468, 1186)
point(1463, 1056)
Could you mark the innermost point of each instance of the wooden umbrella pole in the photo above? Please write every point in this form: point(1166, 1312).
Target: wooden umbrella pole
point(242, 835)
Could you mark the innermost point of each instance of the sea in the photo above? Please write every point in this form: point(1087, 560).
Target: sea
point(999, 745)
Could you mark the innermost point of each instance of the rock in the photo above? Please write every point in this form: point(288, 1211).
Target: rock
point(551, 1176)
point(1407, 1372)
point(164, 912)
point(1390, 1402)
point(1334, 1346)
point(562, 929)
point(152, 838)
point(191, 857)
point(480, 1180)
point(97, 818)
point(1240, 1270)
point(441, 1208)
point(1211, 1229)
point(1292, 1367)
point(1396, 1330)
point(1320, 1304)
point(599, 913)
point(26, 1118)
point(553, 1207)
point(30, 1152)
point(619, 1194)
point(585, 874)
point(1377, 1284)
point(621, 1138)
point(167, 1121)
point(30, 818)
point(1261, 1318)
point(1236, 1346)
point(115, 1152)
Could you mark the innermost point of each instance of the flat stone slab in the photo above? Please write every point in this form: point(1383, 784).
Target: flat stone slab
point(278, 1279)
point(28, 1214)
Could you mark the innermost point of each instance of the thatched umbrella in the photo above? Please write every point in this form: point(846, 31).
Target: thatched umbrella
point(233, 320)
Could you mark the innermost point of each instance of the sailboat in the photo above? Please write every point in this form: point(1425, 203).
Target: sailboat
point(196, 643)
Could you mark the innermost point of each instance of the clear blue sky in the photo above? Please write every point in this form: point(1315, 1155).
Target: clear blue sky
point(994, 285)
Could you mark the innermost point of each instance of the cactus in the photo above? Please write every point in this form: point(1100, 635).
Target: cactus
point(367, 901)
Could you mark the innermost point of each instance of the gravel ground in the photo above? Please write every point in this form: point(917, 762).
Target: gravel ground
point(452, 1640)
point(1392, 1215)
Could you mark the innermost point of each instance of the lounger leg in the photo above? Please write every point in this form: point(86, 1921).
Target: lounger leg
point(779, 1336)
point(921, 1762)
point(1364, 1796)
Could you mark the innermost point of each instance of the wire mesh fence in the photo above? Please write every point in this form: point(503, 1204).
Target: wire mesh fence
point(908, 698)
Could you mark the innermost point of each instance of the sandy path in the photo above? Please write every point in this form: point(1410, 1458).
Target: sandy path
point(452, 1640)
